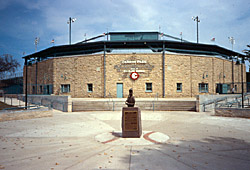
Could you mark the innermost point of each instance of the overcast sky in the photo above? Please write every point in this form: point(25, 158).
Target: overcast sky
point(23, 20)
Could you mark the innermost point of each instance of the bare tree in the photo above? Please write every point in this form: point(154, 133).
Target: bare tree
point(8, 64)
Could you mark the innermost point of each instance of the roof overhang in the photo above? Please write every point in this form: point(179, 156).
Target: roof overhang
point(154, 45)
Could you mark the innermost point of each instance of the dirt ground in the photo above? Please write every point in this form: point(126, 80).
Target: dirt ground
point(4, 106)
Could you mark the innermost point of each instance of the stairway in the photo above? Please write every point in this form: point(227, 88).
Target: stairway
point(175, 105)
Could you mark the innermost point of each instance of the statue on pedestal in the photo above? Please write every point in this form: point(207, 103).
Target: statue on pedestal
point(130, 102)
point(131, 118)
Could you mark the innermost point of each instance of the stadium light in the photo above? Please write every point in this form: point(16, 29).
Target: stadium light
point(71, 20)
point(232, 41)
point(197, 20)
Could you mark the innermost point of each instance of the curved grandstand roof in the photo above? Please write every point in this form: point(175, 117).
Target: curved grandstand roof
point(134, 40)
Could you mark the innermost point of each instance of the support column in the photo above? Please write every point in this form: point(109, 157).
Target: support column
point(36, 74)
point(104, 71)
point(242, 85)
point(26, 83)
point(163, 71)
point(191, 81)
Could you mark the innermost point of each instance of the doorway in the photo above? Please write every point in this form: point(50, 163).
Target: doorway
point(119, 90)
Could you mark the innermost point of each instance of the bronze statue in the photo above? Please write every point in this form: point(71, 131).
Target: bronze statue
point(130, 102)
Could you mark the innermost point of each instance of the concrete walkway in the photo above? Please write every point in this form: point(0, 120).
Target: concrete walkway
point(84, 140)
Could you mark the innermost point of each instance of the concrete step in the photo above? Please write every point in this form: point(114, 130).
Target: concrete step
point(144, 105)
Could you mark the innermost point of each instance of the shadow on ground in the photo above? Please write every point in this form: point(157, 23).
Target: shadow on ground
point(209, 153)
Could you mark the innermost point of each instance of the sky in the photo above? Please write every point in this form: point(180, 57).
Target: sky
point(21, 21)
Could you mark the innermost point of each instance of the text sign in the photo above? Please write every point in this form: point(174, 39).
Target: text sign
point(130, 120)
point(126, 67)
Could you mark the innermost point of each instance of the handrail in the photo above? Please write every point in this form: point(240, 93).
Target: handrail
point(38, 104)
point(237, 99)
point(215, 101)
point(153, 102)
point(111, 98)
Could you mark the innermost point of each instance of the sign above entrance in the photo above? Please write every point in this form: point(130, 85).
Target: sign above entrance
point(134, 75)
point(133, 64)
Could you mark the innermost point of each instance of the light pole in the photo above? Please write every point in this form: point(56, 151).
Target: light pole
point(232, 41)
point(197, 21)
point(71, 20)
point(37, 39)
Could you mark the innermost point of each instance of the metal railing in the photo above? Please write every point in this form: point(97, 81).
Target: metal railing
point(153, 102)
point(226, 102)
point(15, 100)
point(18, 100)
point(111, 100)
point(237, 102)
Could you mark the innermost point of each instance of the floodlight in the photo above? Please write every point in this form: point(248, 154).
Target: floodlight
point(197, 21)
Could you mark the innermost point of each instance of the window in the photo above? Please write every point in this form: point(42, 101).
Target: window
point(203, 87)
point(90, 87)
point(148, 87)
point(179, 87)
point(33, 89)
point(48, 89)
point(65, 88)
point(41, 89)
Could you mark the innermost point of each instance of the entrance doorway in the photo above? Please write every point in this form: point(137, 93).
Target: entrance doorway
point(119, 90)
point(222, 88)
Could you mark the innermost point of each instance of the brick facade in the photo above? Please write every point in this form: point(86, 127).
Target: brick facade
point(79, 71)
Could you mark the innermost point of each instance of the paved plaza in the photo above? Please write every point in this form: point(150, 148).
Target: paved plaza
point(92, 140)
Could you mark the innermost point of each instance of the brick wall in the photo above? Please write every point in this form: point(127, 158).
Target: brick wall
point(151, 64)
point(44, 76)
point(78, 71)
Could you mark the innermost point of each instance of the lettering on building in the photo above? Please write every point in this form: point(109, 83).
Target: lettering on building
point(126, 67)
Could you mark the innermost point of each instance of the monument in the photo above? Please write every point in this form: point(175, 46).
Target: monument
point(131, 118)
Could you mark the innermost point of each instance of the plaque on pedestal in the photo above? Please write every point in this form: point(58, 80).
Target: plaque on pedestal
point(131, 122)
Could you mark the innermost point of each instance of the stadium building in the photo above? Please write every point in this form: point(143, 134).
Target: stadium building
point(145, 61)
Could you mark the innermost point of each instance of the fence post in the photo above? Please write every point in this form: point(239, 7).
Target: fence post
point(51, 104)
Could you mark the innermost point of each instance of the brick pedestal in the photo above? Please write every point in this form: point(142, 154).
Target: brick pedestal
point(131, 122)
